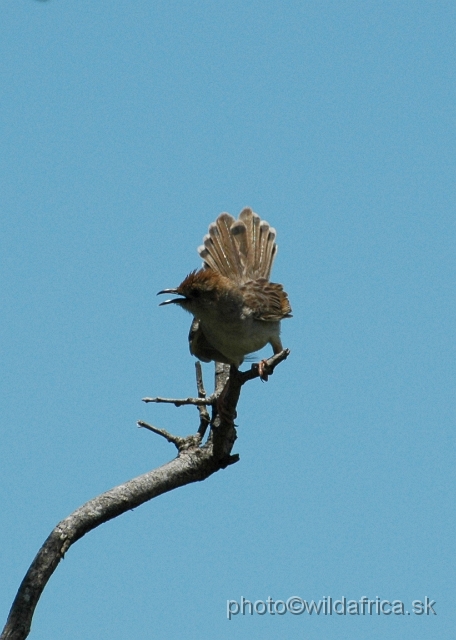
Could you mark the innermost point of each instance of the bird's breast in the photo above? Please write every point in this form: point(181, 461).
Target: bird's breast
point(236, 336)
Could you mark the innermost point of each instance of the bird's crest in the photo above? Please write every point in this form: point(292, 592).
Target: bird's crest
point(242, 249)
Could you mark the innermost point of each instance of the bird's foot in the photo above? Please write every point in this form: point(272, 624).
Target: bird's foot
point(264, 370)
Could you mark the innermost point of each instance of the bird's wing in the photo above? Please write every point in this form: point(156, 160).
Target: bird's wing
point(201, 348)
point(242, 249)
point(265, 300)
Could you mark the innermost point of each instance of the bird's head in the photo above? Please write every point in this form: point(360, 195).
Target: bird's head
point(199, 291)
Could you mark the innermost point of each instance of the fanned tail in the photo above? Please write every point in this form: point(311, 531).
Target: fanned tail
point(242, 249)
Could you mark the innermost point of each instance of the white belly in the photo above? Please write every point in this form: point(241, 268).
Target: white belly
point(236, 339)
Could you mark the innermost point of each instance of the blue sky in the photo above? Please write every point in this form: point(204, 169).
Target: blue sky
point(126, 128)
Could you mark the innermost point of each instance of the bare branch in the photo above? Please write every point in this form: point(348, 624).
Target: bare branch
point(195, 462)
point(189, 466)
point(205, 419)
point(199, 380)
point(161, 432)
point(268, 366)
point(178, 402)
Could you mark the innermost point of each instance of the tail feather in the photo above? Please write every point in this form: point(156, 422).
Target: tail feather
point(221, 230)
point(269, 250)
point(214, 251)
point(242, 249)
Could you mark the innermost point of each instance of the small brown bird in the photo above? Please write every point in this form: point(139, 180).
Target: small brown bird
point(236, 309)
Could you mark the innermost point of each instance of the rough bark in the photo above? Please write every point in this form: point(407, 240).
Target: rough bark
point(195, 461)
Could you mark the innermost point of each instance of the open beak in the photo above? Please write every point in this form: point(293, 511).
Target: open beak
point(173, 300)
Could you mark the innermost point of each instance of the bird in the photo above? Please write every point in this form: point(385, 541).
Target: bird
point(236, 309)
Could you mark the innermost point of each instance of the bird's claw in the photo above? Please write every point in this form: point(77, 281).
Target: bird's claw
point(263, 370)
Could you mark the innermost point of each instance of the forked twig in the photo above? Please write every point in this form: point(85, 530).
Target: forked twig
point(196, 461)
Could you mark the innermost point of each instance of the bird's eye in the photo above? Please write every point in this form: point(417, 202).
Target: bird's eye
point(194, 293)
